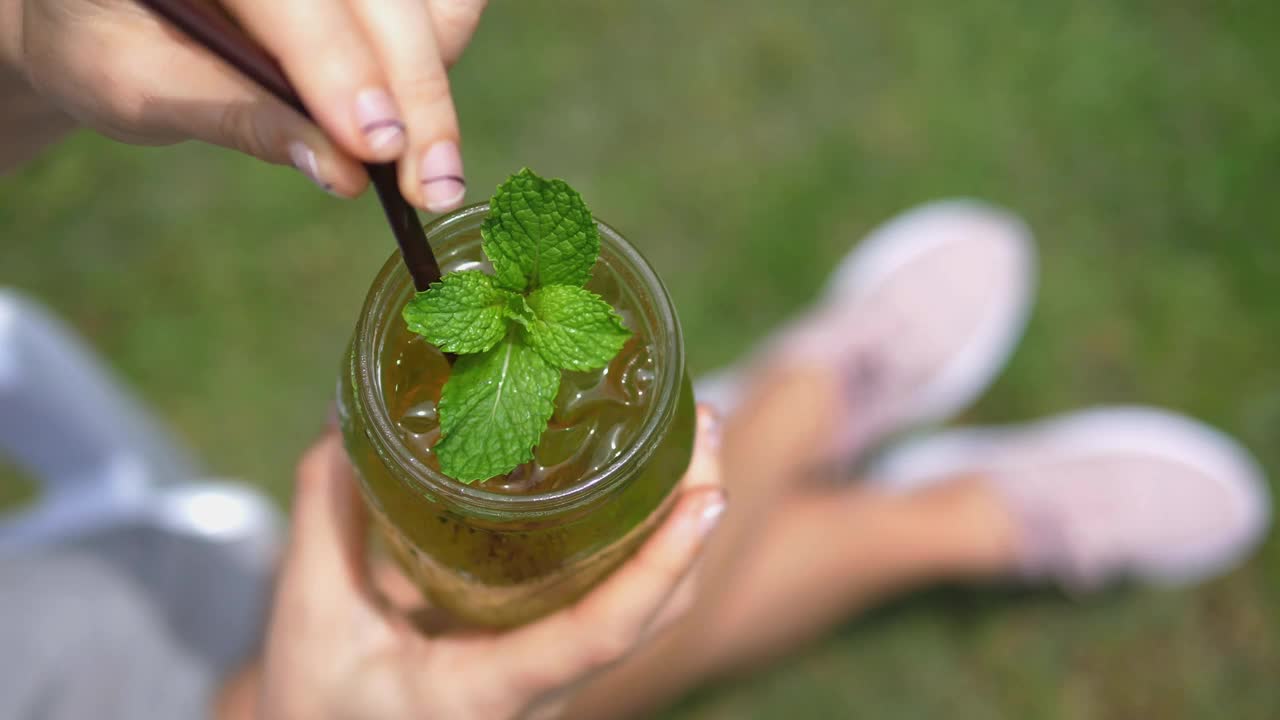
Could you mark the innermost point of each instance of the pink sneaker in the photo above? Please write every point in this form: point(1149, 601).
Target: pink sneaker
point(918, 319)
point(1105, 493)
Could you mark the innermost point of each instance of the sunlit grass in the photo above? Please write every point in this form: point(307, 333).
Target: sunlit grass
point(745, 147)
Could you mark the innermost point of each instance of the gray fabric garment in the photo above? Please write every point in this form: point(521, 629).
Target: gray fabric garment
point(135, 624)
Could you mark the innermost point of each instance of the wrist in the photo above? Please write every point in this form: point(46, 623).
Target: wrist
point(11, 37)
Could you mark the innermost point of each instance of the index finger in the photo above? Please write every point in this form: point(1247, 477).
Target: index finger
point(406, 43)
point(333, 66)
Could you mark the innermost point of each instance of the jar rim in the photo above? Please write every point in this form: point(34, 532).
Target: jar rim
point(393, 281)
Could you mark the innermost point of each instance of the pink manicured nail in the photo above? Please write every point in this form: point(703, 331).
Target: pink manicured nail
point(305, 160)
point(712, 509)
point(380, 122)
point(443, 186)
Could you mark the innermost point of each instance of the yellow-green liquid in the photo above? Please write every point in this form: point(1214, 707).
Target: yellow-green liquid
point(597, 413)
point(494, 570)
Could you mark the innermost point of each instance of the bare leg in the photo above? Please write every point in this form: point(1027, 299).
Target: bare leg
point(1077, 500)
point(827, 556)
point(820, 559)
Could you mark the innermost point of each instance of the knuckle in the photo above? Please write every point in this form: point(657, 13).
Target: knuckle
point(314, 465)
point(238, 128)
point(454, 22)
point(613, 644)
point(426, 91)
point(532, 682)
point(340, 68)
point(96, 67)
point(121, 76)
point(121, 103)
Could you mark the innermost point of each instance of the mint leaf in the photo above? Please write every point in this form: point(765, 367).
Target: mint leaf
point(574, 328)
point(462, 313)
point(493, 409)
point(515, 330)
point(539, 232)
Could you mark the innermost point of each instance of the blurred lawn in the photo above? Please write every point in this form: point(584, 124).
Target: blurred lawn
point(745, 146)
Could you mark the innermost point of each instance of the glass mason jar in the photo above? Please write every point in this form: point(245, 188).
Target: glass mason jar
point(500, 559)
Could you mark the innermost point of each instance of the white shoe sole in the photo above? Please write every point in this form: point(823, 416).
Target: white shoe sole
point(1125, 429)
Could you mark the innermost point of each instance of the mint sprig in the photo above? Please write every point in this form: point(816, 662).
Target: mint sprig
point(516, 330)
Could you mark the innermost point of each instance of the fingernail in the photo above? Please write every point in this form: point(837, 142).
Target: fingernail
point(305, 160)
point(712, 509)
point(380, 122)
point(442, 183)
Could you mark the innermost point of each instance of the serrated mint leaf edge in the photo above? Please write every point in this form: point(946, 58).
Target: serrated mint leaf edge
point(491, 310)
point(508, 241)
point(546, 331)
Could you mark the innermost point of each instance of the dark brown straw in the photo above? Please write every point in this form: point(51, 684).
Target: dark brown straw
point(208, 27)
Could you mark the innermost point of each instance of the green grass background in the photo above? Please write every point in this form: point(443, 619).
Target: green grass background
point(745, 146)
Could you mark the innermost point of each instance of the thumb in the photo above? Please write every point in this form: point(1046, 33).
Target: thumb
point(327, 543)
